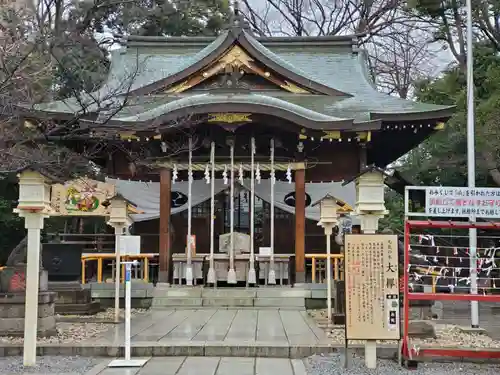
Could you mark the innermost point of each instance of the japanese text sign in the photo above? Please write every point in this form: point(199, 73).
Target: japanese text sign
point(462, 202)
point(372, 287)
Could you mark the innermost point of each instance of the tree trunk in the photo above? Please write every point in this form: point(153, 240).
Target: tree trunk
point(491, 164)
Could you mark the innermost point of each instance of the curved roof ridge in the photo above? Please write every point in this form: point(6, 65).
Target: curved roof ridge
point(257, 104)
point(207, 98)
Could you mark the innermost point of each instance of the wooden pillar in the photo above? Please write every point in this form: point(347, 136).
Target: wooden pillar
point(300, 225)
point(165, 204)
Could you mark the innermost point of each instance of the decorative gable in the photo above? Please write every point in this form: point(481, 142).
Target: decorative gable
point(236, 70)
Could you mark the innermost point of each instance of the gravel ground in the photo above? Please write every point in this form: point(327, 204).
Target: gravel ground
point(48, 365)
point(74, 332)
point(334, 364)
point(448, 335)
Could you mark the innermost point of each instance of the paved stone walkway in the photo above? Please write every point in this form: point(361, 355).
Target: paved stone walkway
point(209, 366)
point(219, 326)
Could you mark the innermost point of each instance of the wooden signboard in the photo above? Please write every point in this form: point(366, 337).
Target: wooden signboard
point(372, 287)
point(81, 197)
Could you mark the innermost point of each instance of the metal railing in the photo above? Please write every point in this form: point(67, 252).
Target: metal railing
point(143, 266)
point(318, 267)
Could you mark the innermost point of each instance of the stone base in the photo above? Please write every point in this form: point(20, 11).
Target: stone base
point(300, 277)
point(421, 329)
point(12, 308)
point(73, 299)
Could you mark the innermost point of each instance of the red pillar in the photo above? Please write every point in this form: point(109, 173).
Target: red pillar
point(300, 224)
point(165, 205)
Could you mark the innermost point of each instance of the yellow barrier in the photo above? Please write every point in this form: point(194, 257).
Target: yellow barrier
point(143, 258)
point(336, 260)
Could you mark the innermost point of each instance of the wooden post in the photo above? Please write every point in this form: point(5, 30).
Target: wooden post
point(300, 224)
point(165, 203)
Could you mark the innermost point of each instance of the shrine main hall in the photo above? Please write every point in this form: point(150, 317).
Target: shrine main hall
point(224, 144)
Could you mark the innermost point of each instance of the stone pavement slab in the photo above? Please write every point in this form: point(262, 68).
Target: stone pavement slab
point(212, 366)
point(204, 326)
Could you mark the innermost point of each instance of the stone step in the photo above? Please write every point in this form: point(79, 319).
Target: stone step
point(90, 308)
point(295, 303)
point(177, 292)
point(283, 293)
point(228, 293)
point(228, 302)
point(174, 302)
point(269, 297)
point(193, 349)
point(288, 302)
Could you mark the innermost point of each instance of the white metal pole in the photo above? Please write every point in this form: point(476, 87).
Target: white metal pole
point(252, 277)
point(231, 275)
point(118, 234)
point(189, 269)
point(33, 223)
point(211, 270)
point(471, 165)
point(328, 233)
point(272, 274)
point(128, 289)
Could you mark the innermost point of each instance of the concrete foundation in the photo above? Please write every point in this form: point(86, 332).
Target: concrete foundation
point(279, 298)
point(12, 314)
point(72, 299)
point(104, 294)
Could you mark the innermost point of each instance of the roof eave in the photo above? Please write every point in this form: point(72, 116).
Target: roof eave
point(257, 109)
point(440, 114)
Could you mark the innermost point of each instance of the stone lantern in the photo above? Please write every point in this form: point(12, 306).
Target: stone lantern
point(34, 206)
point(119, 220)
point(370, 200)
point(118, 211)
point(328, 218)
point(327, 210)
point(34, 192)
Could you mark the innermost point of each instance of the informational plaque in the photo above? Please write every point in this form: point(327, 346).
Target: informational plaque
point(372, 287)
point(130, 245)
point(462, 202)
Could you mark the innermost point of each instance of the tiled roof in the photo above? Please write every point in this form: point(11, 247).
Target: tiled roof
point(330, 61)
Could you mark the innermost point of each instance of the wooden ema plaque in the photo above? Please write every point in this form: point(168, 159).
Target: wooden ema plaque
point(372, 287)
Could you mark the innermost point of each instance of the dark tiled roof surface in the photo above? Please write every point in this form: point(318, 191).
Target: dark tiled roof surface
point(334, 65)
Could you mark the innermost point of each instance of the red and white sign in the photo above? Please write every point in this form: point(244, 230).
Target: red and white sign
point(462, 202)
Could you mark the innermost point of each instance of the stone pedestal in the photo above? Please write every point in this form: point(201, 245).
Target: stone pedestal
point(12, 314)
point(12, 303)
point(73, 299)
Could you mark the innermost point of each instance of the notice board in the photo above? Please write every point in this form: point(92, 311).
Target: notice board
point(372, 287)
